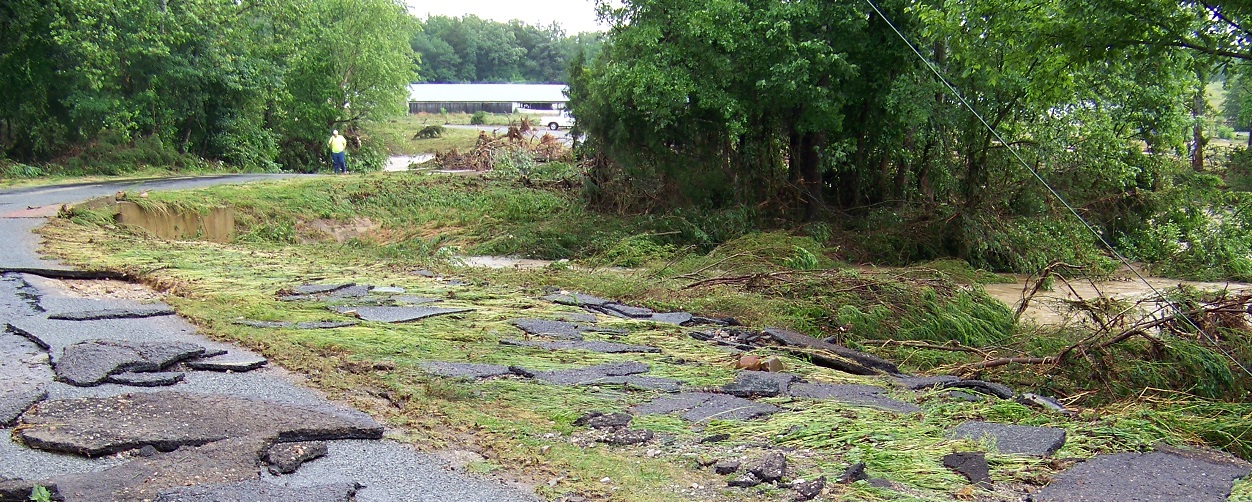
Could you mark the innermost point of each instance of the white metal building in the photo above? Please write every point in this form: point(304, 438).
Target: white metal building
point(492, 98)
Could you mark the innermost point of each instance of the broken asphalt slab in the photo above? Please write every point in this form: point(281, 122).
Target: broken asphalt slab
point(463, 370)
point(230, 361)
point(857, 395)
point(167, 420)
point(591, 346)
point(91, 362)
point(559, 329)
point(396, 314)
point(286, 458)
point(701, 406)
point(1013, 439)
point(759, 384)
point(130, 313)
point(1165, 475)
point(13, 404)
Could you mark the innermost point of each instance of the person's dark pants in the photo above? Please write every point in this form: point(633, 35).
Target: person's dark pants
point(341, 164)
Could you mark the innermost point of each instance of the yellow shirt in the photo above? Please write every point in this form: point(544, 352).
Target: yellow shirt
point(338, 143)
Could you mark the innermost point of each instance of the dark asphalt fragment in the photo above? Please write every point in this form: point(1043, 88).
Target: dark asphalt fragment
point(1165, 475)
point(859, 395)
point(463, 370)
point(759, 383)
point(286, 458)
point(91, 362)
point(1014, 439)
point(590, 345)
point(19, 490)
point(261, 491)
point(854, 473)
point(770, 468)
point(599, 420)
point(575, 299)
point(231, 361)
point(554, 329)
point(144, 478)
point(591, 374)
point(130, 313)
point(151, 379)
point(13, 404)
point(972, 465)
point(701, 406)
point(295, 325)
point(94, 427)
point(922, 382)
point(396, 314)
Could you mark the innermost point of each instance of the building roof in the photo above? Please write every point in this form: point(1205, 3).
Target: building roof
point(488, 93)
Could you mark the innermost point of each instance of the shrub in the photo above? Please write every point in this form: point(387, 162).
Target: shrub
point(478, 118)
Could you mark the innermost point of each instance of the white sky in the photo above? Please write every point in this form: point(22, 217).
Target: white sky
point(573, 15)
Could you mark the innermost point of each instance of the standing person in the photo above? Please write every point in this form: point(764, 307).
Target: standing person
point(337, 145)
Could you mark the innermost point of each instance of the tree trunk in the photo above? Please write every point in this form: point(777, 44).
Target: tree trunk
point(1197, 130)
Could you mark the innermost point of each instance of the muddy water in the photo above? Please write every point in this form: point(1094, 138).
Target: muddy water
point(503, 262)
point(1050, 307)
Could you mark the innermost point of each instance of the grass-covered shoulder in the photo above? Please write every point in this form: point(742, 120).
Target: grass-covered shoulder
point(383, 228)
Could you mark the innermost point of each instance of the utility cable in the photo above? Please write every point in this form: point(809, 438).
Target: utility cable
point(1013, 150)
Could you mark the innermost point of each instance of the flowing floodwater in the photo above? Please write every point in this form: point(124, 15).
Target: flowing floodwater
point(1051, 307)
point(402, 162)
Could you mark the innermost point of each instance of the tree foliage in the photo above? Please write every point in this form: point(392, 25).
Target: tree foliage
point(251, 83)
point(817, 110)
point(470, 49)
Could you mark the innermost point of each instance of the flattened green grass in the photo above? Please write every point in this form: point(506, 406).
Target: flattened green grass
point(420, 222)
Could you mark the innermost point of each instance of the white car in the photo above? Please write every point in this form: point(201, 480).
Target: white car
point(558, 121)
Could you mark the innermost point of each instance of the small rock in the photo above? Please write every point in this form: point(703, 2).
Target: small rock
point(147, 451)
point(854, 473)
point(747, 480)
point(772, 365)
point(724, 467)
point(808, 490)
point(622, 437)
point(770, 468)
point(606, 480)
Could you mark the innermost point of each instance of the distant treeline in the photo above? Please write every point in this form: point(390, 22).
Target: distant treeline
point(470, 49)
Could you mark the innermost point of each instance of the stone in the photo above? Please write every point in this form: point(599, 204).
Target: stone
point(231, 361)
point(91, 362)
point(972, 465)
point(575, 299)
point(168, 420)
point(591, 346)
point(591, 374)
point(1163, 475)
point(990, 388)
point(923, 382)
point(286, 458)
point(809, 490)
point(1013, 439)
point(850, 361)
point(725, 467)
point(396, 314)
point(13, 404)
point(130, 313)
point(624, 437)
point(598, 420)
point(859, 395)
point(854, 473)
point(759, 383)
point(152, 379)
point(770, 468)
point(262, 491)
point(463, 370)
point(772, 365)
point(746, 480)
